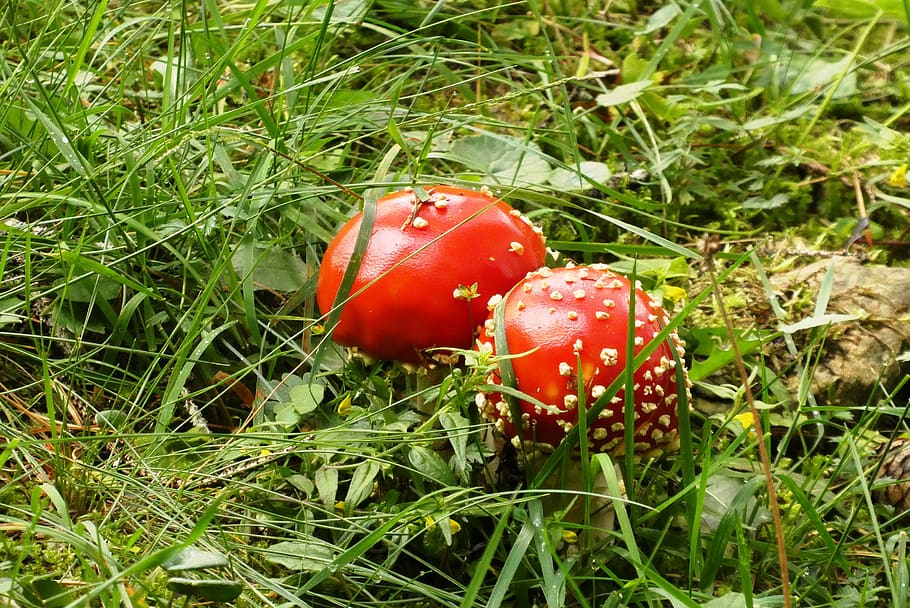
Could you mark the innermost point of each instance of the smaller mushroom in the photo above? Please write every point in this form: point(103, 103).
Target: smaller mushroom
point(550, 336)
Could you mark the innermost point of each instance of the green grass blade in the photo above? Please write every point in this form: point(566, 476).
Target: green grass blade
point(482, 566)
point(511, 566)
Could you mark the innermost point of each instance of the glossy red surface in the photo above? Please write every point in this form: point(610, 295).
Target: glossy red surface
point(402, 301)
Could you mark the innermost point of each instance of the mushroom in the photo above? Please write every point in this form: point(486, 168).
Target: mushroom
point(430, 265)
point(557, 318)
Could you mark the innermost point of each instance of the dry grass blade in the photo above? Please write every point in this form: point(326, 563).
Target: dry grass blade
point(711, 245)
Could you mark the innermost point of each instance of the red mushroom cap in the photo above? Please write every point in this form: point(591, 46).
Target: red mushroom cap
point(559, 316)
point(420, 269)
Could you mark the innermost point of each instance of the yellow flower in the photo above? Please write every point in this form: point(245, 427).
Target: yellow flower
point(673, 293)
point(747, 420)
point(430, 523)
point(344, 408)
point(569, 536)
point(898, 177)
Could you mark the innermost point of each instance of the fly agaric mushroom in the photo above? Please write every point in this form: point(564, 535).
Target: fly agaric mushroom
point(558, 317)
point(428, 270)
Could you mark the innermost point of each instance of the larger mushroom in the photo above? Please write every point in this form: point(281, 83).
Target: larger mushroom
point(557, 319)
point(431, 263)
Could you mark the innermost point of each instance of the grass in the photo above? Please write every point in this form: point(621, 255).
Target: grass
point(176, 426)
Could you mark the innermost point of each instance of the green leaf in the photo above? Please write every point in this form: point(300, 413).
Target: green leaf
point(344, 11)
point(212, 590)
point(731, 600)
point(8, 308)
point(660, 19)
point(46, 592)
point(326, 479)
point(734, 506)
point(624, 93)
point(778, 118)
point(457, 427)
point(865, 9)
point(517, 28)
point(505, 160)
point(271, 268)
point(712, 352)
point(816, 74)
point(302, 400)
point(302, 556)
point(306, 397)
point(726, 493)
point(431, 464)
point(116, 420)
point(759, 202)
point(191, 558)
point(575, 179)
point(90, 289)
point(287, 416)
point(361, 484)
point(302, 483)
point(658, 268)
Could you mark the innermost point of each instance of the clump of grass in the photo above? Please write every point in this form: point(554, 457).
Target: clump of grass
point(169, 177)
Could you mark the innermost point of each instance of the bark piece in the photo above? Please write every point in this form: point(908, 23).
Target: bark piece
point(858, 354)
